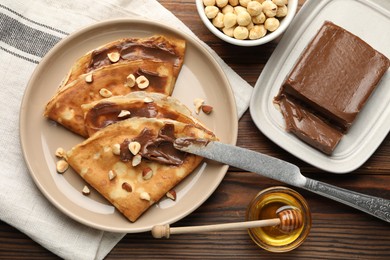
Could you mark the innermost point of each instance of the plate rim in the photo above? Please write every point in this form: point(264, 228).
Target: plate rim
point(71, 37)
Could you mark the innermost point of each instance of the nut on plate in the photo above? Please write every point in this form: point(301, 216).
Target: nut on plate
point(207, 109)
point(171, 194)
point(62, 166)
point(86, 190)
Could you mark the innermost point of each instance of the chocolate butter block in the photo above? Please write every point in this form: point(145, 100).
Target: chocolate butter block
point(309, 127)
point(336, 74)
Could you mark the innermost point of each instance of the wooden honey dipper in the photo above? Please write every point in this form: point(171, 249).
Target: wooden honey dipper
point(289, 219)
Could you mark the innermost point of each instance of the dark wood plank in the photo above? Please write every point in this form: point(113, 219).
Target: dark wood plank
point(338, 231)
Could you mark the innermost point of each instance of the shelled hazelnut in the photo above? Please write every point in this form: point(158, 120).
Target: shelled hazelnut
point(246, 19)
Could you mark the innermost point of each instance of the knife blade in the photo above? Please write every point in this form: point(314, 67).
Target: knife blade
point(282, 171)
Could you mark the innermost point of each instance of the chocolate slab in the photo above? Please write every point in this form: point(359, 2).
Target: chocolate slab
point(336, 74)
point(309, 127)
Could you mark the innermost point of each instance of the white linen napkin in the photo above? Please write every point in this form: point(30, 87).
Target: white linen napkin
point(28, 29)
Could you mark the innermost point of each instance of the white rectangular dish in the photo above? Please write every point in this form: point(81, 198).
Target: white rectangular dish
point(369, 20)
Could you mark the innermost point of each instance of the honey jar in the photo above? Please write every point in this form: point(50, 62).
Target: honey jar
point(265, 205)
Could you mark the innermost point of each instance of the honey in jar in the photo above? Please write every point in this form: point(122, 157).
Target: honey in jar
point(265, 205)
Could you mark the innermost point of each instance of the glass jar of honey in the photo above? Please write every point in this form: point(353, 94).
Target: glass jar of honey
point(265, 206)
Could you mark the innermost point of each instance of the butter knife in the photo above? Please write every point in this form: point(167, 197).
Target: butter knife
point(282, 171)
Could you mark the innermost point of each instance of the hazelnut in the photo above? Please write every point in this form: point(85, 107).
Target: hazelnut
point(147, 173)
point(280, 2)
point(229, 20)
point(86, 190)
point(116, 149)
point(148, 100)
point(244, 3)
point(271, 24)
point(254, 8)
point(171, 194)
point(124, 113)
point(208, 2)
point(218, 20)
point(60, 152)
point(243, 18)
point(239, 9)
point(88, 78)
point(105, 93)
point(130, 81)
point(134, 147)
point(282, 11)
point(127, 187)
point(257, 32)
point(111, 175)
point(233, 2)
point(221, 3)
point(113, 56)
point(259, 19)
point(227, 9)
point(207, 109)
point(211, 11)
point(228, 31)
point(198, 103)
point(144, 196)
point(240, 33)
point(142, 82)
point(136, 160)
point(62, 166)
point(269, 8)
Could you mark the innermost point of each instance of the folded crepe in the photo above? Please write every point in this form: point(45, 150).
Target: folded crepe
point(133, 163)
point(161, 48)
point(114, 80)
point(100, 114)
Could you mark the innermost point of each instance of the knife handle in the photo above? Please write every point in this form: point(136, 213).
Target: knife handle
point(375, 206)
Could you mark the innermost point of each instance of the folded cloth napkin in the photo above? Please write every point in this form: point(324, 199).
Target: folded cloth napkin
point(28, 29)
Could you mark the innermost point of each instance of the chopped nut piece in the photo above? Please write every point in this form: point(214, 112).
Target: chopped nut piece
point(142, 82)
point(147, 173)
point(127, 187)
point(88, 78)
point(124, 113)
point(114, 56)
point(198, 103)
point(130, 81)
point(111, 175)
point(134, 147)
point(136, 160)
point(105, 93)
point(207, 109)
point(171, 194)
point(60, 152)
point(116, 149)
point(86, 190)
point(145, 196)
point(62, 166)
point(148, 100)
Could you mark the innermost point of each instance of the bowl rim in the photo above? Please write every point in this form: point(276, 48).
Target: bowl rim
point(292, 9)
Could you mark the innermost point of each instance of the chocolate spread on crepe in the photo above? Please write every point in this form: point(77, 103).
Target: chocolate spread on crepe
point(331, 81)
point(160, 48)
point(65, 107)
point(105, 112)
point(132, 193)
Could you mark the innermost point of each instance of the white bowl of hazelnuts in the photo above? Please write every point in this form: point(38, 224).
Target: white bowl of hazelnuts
point(247, 22)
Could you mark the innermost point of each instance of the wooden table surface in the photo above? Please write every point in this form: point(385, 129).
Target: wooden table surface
point(338, 231)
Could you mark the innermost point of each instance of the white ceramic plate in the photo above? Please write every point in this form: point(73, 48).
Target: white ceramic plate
point(200, 77)
point(367, 19)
